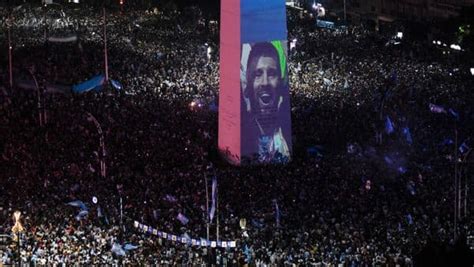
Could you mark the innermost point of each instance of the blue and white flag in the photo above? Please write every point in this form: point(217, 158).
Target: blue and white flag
point(101, 215)
point(116, 84)
point(346, 84)
point(389, 125)
point(156, 214)
point(78, 204)
point(183, 219)
point(99, 212)
point(95, 83)
point(402, 169)
point(388, 160)
point(170, 198)
point(81, 215)
point(409, 219)
point(411, 188)
point(214, 198)
point(463, 148)
point(454, 113)
point(277, 213)
point(447, 141)
point(185, 235)
point(117, 249)
point(128, 247)
point(407, 134)
point(436, 109)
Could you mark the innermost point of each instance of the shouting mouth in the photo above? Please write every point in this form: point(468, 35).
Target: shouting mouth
point(265, 99)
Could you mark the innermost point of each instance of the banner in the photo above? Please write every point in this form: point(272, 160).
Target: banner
point(201, 242)
point(95, 83)
point(325, 24)
point(67, 39)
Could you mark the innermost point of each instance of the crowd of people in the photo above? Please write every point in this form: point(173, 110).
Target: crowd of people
point(370, 181)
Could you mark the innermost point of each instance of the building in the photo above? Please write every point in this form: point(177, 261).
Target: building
point(422, 10)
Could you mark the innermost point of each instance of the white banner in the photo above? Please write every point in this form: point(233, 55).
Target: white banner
point(184, 240)
point(68, 39)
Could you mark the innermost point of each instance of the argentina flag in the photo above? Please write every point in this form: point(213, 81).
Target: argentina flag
point(277, 213)
point(389, 128)
point(214, 196)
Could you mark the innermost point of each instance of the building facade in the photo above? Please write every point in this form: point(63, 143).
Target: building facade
point(423, 10)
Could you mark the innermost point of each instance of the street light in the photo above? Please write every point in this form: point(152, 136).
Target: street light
point(41, 111)
point(91, 118)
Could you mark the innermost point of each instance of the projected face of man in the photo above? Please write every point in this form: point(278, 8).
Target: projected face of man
point(266, 83)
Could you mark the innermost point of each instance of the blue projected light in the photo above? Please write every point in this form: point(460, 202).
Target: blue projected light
point(263, 20)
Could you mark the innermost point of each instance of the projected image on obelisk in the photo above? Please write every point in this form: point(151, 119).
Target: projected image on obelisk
point(265, 115)
point(254, 122)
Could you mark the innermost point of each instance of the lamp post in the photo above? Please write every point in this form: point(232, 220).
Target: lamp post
point(10, 56)
point(10, 64)
point(456, 178)
point(91, 118)
point(345, 17)
point(106, 59)
point(463, 177)
point(38, 92)
point(207, 206)
point(461, 159)
point(466, 179)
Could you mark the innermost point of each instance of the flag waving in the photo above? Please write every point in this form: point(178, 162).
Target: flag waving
point(436, 109)
point(183, 219)
point(277, 213)
point(389, 128)
point(214, 196)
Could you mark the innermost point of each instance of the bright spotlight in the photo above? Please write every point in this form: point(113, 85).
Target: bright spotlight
point(455, 47)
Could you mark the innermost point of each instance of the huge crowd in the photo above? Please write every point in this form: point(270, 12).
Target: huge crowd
point(372, 195)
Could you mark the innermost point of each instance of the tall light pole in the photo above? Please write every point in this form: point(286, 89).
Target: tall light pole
point(38, 92)
point(456, 193)
point(217, 214)
point(207, 206)
point(466, 161)
point(106, 60)
point(91, 118)
point(345, 17)
point(10, 56)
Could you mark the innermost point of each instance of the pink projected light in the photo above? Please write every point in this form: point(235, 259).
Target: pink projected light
point(229, 95)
